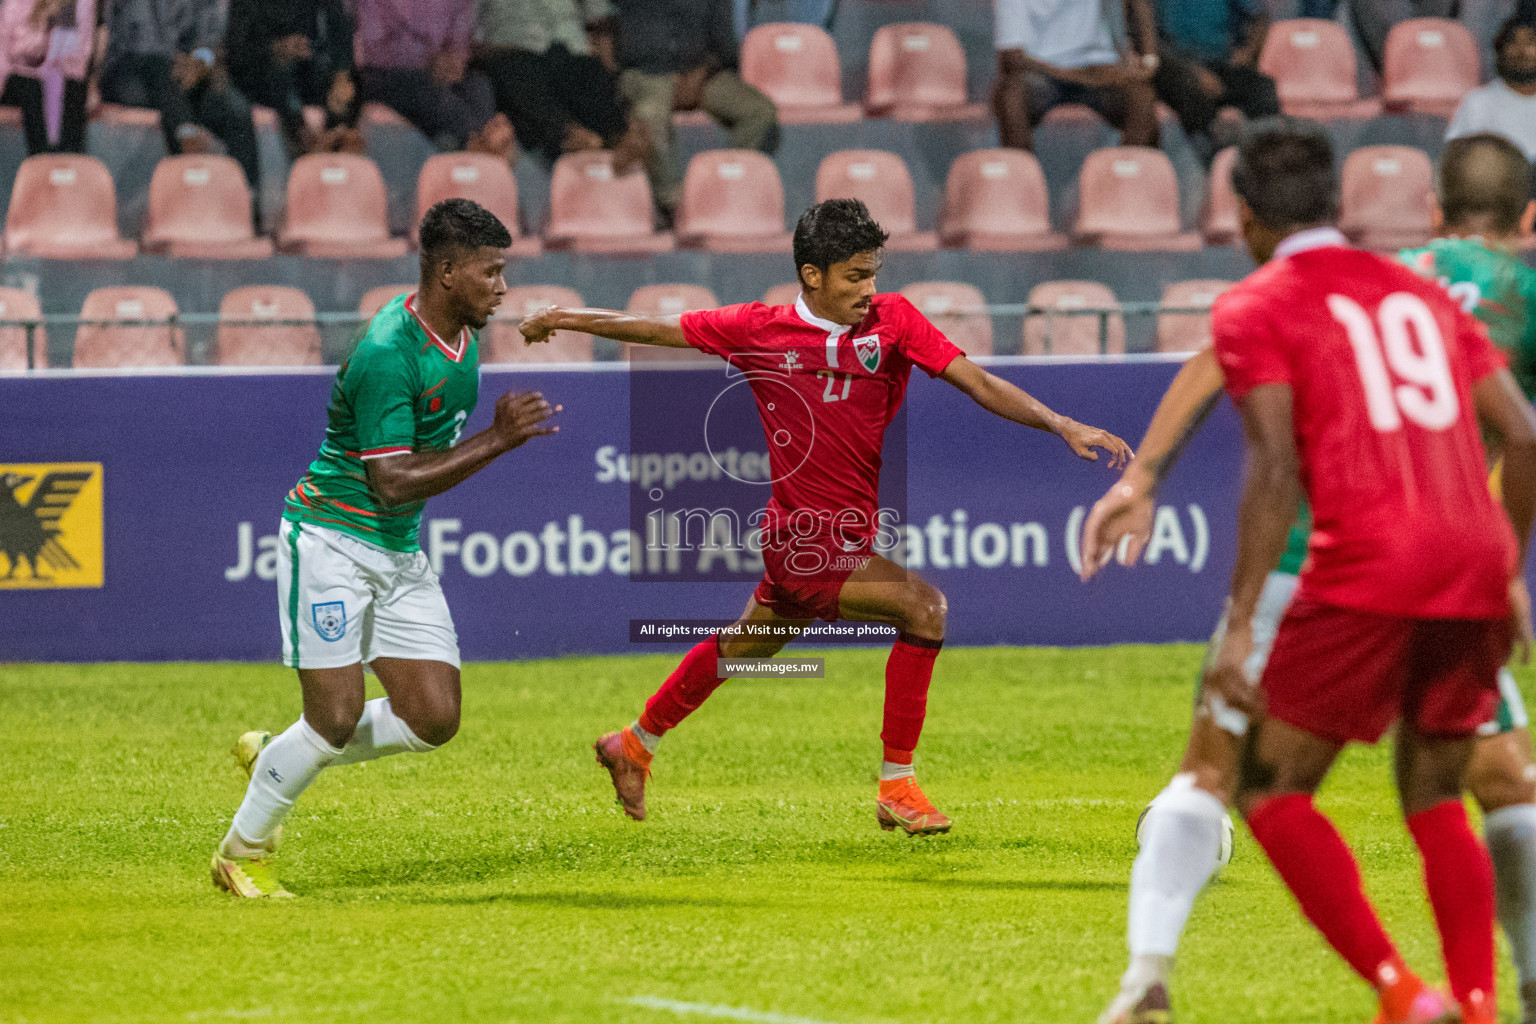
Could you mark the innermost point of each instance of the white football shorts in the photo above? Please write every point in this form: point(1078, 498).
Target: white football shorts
point(342, 601)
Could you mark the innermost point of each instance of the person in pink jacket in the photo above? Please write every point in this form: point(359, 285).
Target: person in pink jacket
point(45, 51)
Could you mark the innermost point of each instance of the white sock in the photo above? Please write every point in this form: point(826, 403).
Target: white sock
point(380, 732)
point(890, 770)
point(1511, 835)
point(648, 740)
point(284, 769)
point(1180, 849)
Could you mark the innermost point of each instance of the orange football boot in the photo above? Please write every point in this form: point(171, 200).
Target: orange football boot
point(1480, 1008)
point(1405, 999)
point(629, 764)
point(902, 805)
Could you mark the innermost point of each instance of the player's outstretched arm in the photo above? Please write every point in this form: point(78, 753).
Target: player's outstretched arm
point(665, 331)
point(417, 476)
point(1124, 514)
point(1001, 398)
point(1507, 417)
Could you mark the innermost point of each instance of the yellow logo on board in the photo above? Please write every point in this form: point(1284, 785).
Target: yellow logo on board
point(50, 525)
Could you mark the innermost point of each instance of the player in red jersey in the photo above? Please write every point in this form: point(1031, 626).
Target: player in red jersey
point(828, 374)
point(1364, 385)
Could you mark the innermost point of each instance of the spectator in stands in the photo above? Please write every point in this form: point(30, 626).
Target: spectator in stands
point(1051, 52)
point(1209, 59)
point(560, 97)
point(1507, 105)
point(48, 45)
point(682, 55)
point(166, 54)
point(811, 12)
point(413, 56)
point(1373, 19)
point(287, 53)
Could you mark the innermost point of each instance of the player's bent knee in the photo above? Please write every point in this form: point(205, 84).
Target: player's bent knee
point(926, 611)
point(435, 725)
point(334, 724)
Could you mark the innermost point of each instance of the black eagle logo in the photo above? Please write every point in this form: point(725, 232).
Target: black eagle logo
point(30, 533)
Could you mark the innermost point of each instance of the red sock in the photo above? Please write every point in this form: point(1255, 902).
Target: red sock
point(1312, 860)
point(1459, 876)
point(908, 671)
point(689, 685)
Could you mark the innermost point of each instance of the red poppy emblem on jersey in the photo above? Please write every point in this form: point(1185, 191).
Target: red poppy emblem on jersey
point(437, 403)
point(867, 349)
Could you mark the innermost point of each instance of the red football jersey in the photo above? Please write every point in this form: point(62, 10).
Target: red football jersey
point(826, 394)
point(1381, 365)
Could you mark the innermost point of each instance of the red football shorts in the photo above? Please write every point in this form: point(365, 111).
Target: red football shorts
point(1348, 675)
point(803, 577)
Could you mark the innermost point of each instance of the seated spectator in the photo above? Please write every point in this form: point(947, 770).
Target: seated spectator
point(1051, 52)
point(48, 45)
point(1373, 19)
point(682, 55)
point(560, 97)
point(1507, 105)
point(165, 54)
point(287, 53)
point(1209, 59)
point(810, 12)
point(413, 56)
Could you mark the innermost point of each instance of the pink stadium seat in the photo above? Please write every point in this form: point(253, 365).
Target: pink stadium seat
point(1218, 213)
point(782, 294)
point(995, 200)
point(733, 201)
point(881, 180)
point(479, 176)
point(64, 207)
point(338, 209)
point(1386, 192)
point(591, 210)
point(200, 207)
point(1049, 333)
point(1313, 64)
point(959, 310)
point(502, 342)
point(1429, 65)
point(917, 73)
point(667, 300)
point(108, 344)
point(1187, 332)
point(16, 304)
point(798, 67)
point(375, 299)
point(1128, 198)
point(240, 342)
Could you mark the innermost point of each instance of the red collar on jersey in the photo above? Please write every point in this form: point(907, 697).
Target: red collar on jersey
point(410, 306)
point(1311, 238)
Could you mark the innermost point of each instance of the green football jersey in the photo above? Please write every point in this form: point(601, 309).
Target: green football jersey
point(403, 389)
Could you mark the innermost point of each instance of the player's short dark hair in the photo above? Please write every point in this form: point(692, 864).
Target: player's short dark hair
point(457, 224)
point(1486, 177)
point(835, 230)
point(1286, 175)
point(1507, 31)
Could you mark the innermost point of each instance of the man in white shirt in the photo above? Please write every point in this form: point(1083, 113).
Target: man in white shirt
point(1507, 105)
point(1051, 52)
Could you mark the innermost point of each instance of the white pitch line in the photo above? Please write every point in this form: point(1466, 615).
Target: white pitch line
point(727, 1012)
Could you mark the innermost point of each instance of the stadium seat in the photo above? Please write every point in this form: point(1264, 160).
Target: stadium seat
point(64, 207)
point(1429, 65)
point(1218, 212)
point(782, 294)
point(16, 304)
point(375, 299)
point(239, 342)
point(338, 209)
point(959, 310)
point(591, 210)
point(1187, 332)
point(1047, 333)
point(733, 201)
point(995, 200)
point(917, 73)
point(1313, 64)
point(881, 180)
point(1128, 198)
point(667, 300)
point(798, 67)
point(479, 176)
point(200, 207)
point(112, 345)
point(502, 342)
point(1386, 193)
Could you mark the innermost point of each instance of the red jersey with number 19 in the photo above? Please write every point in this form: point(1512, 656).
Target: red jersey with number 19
point(1381, 364)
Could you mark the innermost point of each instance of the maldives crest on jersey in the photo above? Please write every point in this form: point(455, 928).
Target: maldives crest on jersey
point(330, 619)
point(867, 349)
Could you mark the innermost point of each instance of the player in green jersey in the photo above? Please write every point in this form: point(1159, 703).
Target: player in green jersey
point(354, 586)
point(1484, 190)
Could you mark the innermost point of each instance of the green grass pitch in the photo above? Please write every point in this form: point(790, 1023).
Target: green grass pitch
point(496, 880)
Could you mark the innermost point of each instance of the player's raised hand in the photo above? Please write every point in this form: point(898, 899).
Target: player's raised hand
point(536, 326)
point(1226, 684)
point(521, 416)
point(1120, 522)
point(1084, 440)
point(1520, 620)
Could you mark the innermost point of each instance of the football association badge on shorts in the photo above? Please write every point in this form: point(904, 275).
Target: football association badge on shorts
point(867, 349)
point(330, 620)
